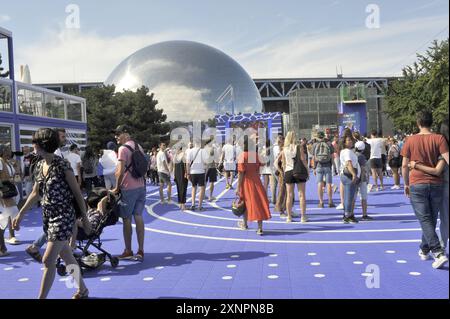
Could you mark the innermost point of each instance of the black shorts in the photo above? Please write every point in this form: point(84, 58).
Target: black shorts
point(290, 179)
point(211, 175)
point(376, 163)
point(198, 180)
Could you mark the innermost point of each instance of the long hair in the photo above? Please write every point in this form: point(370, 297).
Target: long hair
point(289, 141)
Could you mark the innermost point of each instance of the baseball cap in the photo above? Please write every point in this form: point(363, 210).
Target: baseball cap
point(121, 129)
point(360, 146)
point(320, 135)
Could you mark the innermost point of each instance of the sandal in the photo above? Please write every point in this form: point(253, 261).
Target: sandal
point(81, 295)
point(34, 254)
point(241, 225)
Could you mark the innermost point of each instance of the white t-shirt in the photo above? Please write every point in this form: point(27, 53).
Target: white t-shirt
point(60, 153)
point(161, 158)
point(289, 154)
point(198, 165)
point(348, 155)
point(229, 151)
point(74, 159)
point(376, 147)
point(109, 162)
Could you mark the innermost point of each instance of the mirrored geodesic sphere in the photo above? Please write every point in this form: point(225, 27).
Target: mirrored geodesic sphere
point(189, 80)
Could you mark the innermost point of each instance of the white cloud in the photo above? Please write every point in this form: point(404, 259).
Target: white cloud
point(74, 56)
point(362, 52)
point(4, 18)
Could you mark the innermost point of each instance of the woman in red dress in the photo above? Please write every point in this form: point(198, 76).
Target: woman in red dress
point(250, 188)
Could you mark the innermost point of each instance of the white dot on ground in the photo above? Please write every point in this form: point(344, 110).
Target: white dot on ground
point(148, 278)
point(366, 274)
point(231, 266)
point(312, 254)
point(319, 275)
point(273, 265)
point(23, 279)
point(42, 268)
point(350, 252)
point(414, 273)
point(105, 279)
point(401, 261)
point(64, 279)
point(31, 229)
point(120, 268)
point(234, 256)
point(8, 268)
point(272, 277)
point(273, 255)
point(358, 262)
point(227, 277)
point(390, 251)
point(159, 267)
point(315, 264)
point(168, 258)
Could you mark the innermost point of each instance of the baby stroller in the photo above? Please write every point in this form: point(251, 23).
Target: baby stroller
point(88, 260)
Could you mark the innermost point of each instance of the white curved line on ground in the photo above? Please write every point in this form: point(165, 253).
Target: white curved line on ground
point(150, 211)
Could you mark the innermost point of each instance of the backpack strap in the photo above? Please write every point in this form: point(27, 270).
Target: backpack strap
point(127, 167)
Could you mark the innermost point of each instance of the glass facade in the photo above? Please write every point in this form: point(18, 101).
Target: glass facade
point(310, 108)
point(5, 97)
point(43, 103)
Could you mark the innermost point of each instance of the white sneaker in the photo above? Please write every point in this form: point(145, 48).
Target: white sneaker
point(424, 256)
point(395, 187)
point(340, 207)
point(440, 261)
point(12, 241)
point(369, 188)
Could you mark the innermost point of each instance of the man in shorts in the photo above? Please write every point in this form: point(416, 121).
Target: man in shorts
point(133, 194)
point(376, 162)
point(163, 167)
point(196, 158)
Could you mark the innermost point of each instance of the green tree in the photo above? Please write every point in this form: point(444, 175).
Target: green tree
point(107, 109)
point(3, 74)
point(424, 86)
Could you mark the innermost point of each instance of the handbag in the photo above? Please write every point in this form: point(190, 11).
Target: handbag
point(300, 172)
point(8, 189)
point(238, 207)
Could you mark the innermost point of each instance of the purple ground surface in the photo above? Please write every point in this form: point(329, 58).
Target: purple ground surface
point(204, 255)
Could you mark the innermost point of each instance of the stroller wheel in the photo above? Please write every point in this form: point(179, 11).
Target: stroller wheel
point(61, 270)
point(114, 262)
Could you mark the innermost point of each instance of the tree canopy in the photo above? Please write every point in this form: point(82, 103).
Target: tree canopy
point(424, 86)
point(106, 109)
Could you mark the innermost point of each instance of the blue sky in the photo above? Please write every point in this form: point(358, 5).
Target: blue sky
point(284, 38)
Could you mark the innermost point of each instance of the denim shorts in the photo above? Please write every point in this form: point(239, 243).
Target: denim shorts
point(132, 202)
point(324, 174)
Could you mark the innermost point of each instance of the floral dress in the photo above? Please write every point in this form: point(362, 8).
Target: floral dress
point(58, 212)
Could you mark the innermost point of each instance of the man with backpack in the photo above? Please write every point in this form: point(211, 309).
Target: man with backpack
point(322, 155)
point(130, 182)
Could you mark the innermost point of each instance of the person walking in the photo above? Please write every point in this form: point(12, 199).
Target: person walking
point(163, 167)
point(361, 187)
point(109, 163)
point(350, 173)
point(322, 155)
point(89, 162)
point(56, 184)
point(292, 153)
point(228, 159)
point(196, 158)
point(250, 189)
point(376, 161)
point(274, 178)
point(425, 190)
point(131, 185)
point(181, 176)
point(395, 162)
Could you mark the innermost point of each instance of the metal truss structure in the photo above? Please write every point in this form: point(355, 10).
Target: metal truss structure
point(279, 89)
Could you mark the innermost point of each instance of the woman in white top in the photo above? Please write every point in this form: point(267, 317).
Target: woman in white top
point(228, 159)
point(350, 173)
point(289, 154)
point(8, 206)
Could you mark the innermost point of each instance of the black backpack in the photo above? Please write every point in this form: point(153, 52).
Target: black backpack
point(139, 163)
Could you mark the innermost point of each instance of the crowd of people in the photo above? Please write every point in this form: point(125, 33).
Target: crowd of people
point(257, 175)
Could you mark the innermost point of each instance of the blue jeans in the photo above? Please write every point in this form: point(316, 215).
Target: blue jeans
point(324, 174)
point(426, 201)
point(39, 242)
point(443, 214)
point(349, 195)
